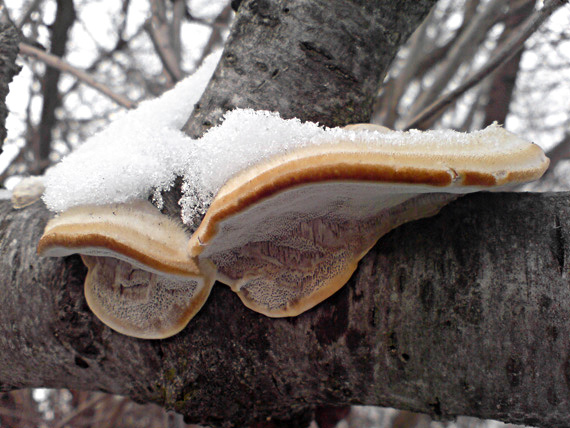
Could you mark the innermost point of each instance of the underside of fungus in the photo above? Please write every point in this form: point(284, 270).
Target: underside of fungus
point(140, 303)
point(285, 233)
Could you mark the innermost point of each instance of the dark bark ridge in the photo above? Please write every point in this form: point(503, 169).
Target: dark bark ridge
point(9, 38)
point(64, 20)
point(317, 60)
point(463, 313)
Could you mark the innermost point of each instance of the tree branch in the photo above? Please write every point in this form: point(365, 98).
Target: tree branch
point(56, 62)
point(463, 313)
point(160, 34)
point(503, 54)
point(301, 60)
point(468, 41)
point(64, 20)
point(82, 408)
point(502, 86)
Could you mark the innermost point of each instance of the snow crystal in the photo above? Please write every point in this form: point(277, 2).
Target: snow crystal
point(142, 150)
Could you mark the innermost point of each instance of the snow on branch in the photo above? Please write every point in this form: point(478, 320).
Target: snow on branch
point(143, 152)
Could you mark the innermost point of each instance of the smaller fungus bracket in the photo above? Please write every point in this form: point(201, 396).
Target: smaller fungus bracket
point(135, 232)
point(287, 233)
point(141, 281)
point(139, 303)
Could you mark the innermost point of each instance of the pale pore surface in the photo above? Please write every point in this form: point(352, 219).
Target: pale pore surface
point(288, 232)
point(140, 303)
point(287, 253)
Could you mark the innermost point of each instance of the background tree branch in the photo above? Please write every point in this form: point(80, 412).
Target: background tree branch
point(504, 53)
point(64, 18)
point(55, 62)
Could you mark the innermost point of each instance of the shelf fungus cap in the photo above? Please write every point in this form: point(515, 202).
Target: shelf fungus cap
point(287, 233)
point(135, 232)
point(141, 281)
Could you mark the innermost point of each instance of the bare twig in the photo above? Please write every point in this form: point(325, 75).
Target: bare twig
point(5, 14)
point(427, 61)
point(59, 36)
point(468, 41)
point(395, 87)
point(56, 62)
point(559, 152)
point(178, 10)
point(221, 22)
point(120, 45)
point(500, 88)
point(159, 32)
point(508, 49)
point(116, 413)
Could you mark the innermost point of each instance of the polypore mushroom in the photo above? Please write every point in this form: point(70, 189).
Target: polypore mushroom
point(287, 233)
point(141, 281)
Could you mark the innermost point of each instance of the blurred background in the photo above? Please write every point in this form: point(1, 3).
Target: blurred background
point(86, 61)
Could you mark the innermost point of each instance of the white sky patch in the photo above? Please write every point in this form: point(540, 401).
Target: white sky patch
point(18, 99)
point(207, 9)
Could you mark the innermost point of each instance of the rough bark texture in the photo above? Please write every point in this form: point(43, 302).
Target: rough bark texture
point(318, 60)
point(463, 313)
point(9, 39)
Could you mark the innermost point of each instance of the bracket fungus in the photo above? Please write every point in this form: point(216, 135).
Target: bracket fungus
point(287, 233)
point(141, 281)
point(284, 233)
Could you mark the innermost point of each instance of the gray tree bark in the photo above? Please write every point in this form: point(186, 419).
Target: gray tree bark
point(463, 313)
point(317, 60)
